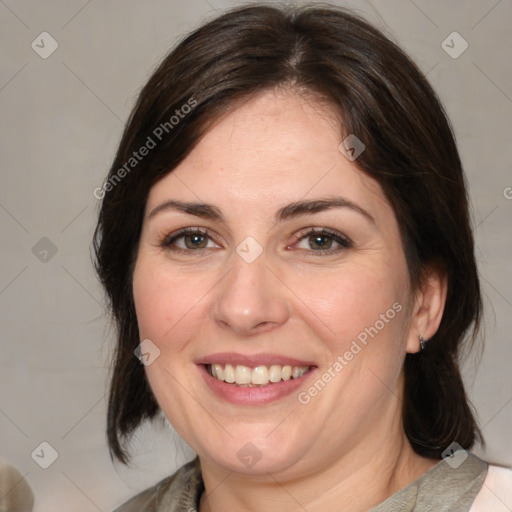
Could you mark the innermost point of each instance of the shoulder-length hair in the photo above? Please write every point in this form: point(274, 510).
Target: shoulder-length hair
point(385, 101)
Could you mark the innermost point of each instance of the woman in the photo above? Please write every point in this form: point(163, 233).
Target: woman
point(285, 243)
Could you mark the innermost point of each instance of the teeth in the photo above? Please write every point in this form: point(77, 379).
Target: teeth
point(243, 375)
point(274, 373)
point(218, 371)
point(286, 372)
point(229, 374)
point(258, 376)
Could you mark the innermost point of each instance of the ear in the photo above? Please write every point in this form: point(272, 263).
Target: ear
point(428, 308)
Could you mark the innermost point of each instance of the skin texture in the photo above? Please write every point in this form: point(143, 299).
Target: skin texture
point(346, 448)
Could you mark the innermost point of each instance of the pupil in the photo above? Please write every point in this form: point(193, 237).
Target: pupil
point(195, 241)
point(321, 241)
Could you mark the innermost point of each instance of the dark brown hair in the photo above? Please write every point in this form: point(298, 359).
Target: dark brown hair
point(410, 150)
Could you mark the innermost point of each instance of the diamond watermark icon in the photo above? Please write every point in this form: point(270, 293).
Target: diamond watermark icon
point(147, 352)
point(45, 455)
point(352, 147)
point(454, 455)
point(454, 45)
point(44, 250)
point(249, 249)
point(249, 455)
point(44, 45)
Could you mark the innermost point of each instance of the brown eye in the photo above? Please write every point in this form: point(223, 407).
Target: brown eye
point(189, 240)
point(323, 241)
point(196, 241)
point(320, 242)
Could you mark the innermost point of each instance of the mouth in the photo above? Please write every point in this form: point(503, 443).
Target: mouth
point(255, 376)
point(254, 380)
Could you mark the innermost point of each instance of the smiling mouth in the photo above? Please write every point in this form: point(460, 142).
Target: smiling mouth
point(258, 376)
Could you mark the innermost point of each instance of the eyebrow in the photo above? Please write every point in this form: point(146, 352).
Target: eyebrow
point(203, 210)
point(319, 205)
point(296, 209)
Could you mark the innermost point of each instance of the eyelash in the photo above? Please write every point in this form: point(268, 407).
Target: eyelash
point(343, 241)
point(170, 239)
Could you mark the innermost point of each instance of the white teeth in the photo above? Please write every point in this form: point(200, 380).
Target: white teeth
point(218, 371)
point(242, 374)
point(274, 374)
point(229, 374)
point(258, 376)
point(286, 372)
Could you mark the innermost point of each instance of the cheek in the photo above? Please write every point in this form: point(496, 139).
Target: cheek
point(169, 310)
point(349, 301)
point(165, 302)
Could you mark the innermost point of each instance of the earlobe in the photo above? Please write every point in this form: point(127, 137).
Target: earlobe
point(428, 309)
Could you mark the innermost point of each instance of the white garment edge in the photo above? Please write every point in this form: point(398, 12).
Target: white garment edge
point(496, 492)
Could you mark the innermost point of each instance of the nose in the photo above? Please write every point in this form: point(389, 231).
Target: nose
point(251, 299)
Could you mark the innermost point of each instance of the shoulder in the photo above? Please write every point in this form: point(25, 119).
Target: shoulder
point(496, 491)
point(176, 493)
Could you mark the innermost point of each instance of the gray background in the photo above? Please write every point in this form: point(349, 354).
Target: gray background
point(62, 118)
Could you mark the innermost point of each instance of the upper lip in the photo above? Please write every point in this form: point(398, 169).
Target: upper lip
point(252, 360)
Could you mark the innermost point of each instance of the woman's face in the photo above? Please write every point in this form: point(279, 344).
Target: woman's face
point(291, 262)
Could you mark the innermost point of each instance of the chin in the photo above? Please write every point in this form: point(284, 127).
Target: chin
point(254, 454)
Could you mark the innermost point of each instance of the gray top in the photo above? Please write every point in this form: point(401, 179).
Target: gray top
point(446, 487)
point(441, 489)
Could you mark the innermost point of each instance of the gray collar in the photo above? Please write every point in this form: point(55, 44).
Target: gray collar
point(446, 487)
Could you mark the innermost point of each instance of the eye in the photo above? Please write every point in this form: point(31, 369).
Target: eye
point(323, 240)
point(189, 239)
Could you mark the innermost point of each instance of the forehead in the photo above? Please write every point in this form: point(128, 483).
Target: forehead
point(276, 147)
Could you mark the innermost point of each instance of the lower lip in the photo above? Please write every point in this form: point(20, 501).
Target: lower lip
point(253, 396)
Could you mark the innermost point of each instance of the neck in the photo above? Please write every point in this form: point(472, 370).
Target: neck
point(359, 480)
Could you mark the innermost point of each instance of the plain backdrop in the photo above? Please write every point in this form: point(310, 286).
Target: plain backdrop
point(61, 120)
